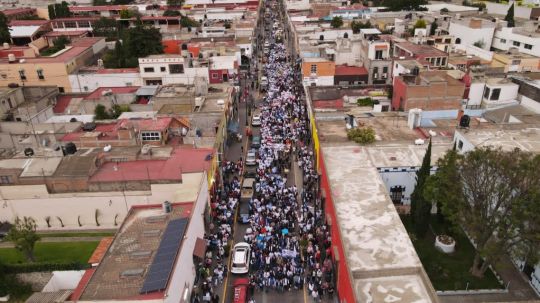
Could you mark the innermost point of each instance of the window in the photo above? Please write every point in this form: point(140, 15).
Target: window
point(460, 145)
point(163, 69)
point(70, 24)
point(385, 69)
point(503, 41)
point(22, 74)
point(5, 179)
point(495, 94)
point(150, 136)
point(516, 43)
point(84, 24)
point(516, 62)
point(85, 88)
point(40, 74)
point(61, 89)
point(375, 72)
point(438, 63)
point(486, 92)
point(176, 68)
point(443, 63)
point(527, 46)
point(458, 41)
point(378, 54)
point(214, 76)
point(148, 69)
point(396, 194)
point(313, 68)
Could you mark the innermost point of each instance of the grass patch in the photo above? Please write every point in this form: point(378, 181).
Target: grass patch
point(75, 234)
point(53, 252)
point(449, 271)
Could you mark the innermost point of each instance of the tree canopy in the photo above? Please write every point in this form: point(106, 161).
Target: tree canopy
point(356, 26)
point(400, 5)
point(137, 42)
point(23, 235)
point(336, 22)
point(106, 27)
point(494, 195)
point(5, 35)
point(175, 3)
point(172, 13)
point(420, 207)
point(510, 16)
point(59, 10)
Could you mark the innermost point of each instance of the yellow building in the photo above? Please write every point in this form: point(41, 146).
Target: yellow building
point(20, 67)
point(516, 62)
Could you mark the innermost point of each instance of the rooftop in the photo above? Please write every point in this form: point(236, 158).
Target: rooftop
point(98, 93)
point(375, 242)
point(421, 49)
point(123, 269)
point(76, 48)
point(181, 160)
point(525, 138)
point(344, 70)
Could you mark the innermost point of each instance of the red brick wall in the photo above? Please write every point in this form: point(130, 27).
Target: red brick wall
point(344, 285)
point(399, 92)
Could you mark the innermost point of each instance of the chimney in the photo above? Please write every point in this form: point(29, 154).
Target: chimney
point(475, 23)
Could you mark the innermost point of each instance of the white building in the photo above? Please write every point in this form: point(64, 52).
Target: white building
point(473, 31)
point(526, 39)
point(170, 69)
point(89, 80)
point(499, 92)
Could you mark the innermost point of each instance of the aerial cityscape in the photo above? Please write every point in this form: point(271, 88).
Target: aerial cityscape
point(271, 151)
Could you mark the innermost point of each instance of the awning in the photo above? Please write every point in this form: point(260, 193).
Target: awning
point(233, 127)
point(200, 248)
point(149, 90)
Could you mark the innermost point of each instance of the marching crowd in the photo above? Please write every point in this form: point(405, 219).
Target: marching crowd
point(290, 244)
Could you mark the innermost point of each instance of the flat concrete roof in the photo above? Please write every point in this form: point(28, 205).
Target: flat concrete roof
point(377, 247)
point(526, 139)
point(41, 167)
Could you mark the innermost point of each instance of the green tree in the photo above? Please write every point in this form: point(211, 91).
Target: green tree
point(141, 41)
point(23, 235)
point(400, 5)
point(172, 13)
point(336, 22)
point(420, 206)
point(100, 113)
point(356, 26)
point(175, 3)
point(106, 27)
point(433, 28)
point(494, 195)
point(509, 18)
point(5, 35)
point(126, 14)
point(100, 2)
point(188, 22)
point(479, 43)
point(52, 14)
point(117, 110)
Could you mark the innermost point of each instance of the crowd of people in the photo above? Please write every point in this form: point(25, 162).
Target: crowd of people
point(290, 243)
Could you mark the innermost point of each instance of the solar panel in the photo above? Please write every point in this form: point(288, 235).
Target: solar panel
point(160, 270)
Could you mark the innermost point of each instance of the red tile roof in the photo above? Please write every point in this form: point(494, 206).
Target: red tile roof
point(76, 295)
point(108, 130)
point(100, 250)
point(344, 70)
point(28, 22)
point(16, 11)
point(182, 160)
point(65, 33)
point(97, 94)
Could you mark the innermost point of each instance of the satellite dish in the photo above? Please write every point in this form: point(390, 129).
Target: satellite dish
point(28, 152)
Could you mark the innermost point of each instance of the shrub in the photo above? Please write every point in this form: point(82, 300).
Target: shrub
point(365, 101)
point(365, 135)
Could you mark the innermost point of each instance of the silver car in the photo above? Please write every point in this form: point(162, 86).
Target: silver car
point(251, 158)
point(240, 258)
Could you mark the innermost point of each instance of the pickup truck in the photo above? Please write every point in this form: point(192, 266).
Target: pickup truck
point(247, 189)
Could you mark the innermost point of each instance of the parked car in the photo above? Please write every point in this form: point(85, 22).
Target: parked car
point(251, 157)
point(240, 258)
point(256, 121)
point(256, 142)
